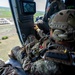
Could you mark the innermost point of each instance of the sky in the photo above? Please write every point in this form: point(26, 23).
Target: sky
point(40, 4)
point(4, 3)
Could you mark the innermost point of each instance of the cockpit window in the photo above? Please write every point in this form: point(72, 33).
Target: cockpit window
point(40, 8)
point(40, 5)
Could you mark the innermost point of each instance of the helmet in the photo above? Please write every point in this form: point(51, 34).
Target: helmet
point(63, 25)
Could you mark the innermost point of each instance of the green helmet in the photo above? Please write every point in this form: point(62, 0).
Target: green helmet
point(63, 24)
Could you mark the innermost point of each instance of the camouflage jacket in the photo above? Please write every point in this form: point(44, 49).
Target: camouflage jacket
point(45, 49)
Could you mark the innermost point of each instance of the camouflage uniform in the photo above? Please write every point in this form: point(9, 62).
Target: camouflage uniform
point(62, 45)
point(44, 67)
point(35, 66)
point(61, 41)
point(63, 33)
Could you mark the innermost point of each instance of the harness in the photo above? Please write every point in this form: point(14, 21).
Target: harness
point(57, 53)
point(60, 54)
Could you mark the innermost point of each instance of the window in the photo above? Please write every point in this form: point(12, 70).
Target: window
point(40, 5)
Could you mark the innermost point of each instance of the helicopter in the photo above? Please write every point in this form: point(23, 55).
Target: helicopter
point(23, 14)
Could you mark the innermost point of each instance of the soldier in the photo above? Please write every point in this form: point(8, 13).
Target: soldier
point(59, 58)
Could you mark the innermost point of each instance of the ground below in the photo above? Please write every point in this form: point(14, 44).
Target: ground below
point(7, 44)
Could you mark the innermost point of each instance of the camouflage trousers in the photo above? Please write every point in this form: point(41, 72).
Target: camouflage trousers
point(39, 67)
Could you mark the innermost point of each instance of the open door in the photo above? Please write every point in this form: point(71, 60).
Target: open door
point(23, 11)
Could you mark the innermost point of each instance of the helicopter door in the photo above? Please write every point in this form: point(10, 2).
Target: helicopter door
point(22, 12)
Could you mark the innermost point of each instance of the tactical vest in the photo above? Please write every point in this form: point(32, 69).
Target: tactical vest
point(60, 54)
